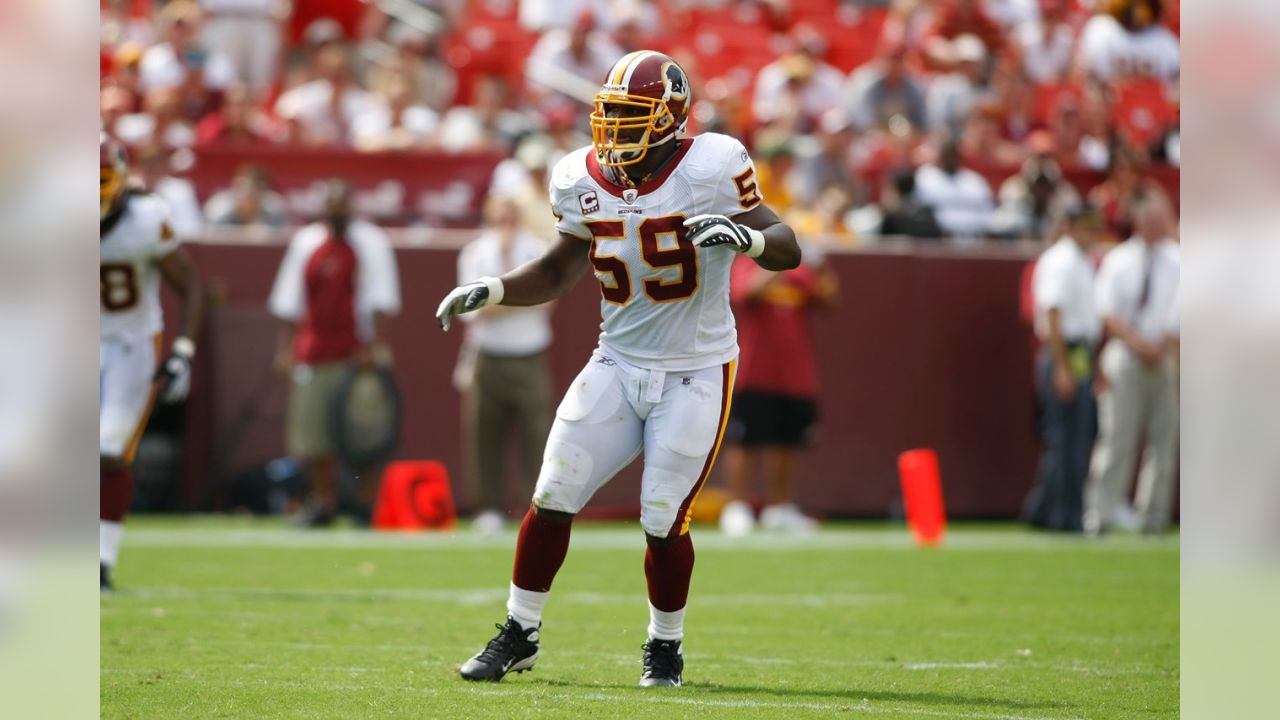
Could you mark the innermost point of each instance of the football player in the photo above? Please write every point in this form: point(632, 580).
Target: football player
point(659, 217)
point(137, 247)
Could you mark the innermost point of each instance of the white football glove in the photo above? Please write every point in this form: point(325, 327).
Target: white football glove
point(712, 230)
point(174, 374)
point(465, 298)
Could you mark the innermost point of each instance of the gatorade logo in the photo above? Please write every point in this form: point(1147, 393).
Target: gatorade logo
point(426, 501)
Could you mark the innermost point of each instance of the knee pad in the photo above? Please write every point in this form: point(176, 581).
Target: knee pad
point(662, 492)
point(566, 473)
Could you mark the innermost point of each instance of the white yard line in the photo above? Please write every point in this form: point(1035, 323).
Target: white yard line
point(614, 539)
point(702, 661)
point(951, 666)
point(495, 596)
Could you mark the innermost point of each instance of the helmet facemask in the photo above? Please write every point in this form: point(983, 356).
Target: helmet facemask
point(111, 187)
point(113, 174)
point(624, 127)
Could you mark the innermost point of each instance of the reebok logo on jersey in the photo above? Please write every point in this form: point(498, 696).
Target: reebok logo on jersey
point(589, 202)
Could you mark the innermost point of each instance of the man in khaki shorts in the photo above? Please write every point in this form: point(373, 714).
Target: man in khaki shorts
point(335, 290)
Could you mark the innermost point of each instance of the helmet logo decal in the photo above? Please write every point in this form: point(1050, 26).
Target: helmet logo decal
point(676, 84)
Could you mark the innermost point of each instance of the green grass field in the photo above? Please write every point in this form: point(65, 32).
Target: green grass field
point(233, 618)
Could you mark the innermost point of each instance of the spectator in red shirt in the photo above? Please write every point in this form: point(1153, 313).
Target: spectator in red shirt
point(125, 74)
point(238, 123)
point(1073, 145)
point(962, 17)
point(1124, 189)
point(774, 411)
point(335, 291)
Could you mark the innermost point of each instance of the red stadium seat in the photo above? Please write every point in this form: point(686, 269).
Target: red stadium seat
point(852, 44)
point(488, 43)
point(720, 49)
point(812, 7)
point(347, 13)
point(1048, 96)
point(1142, 111)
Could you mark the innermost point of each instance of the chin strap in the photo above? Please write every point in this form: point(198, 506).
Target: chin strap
point(620, 177)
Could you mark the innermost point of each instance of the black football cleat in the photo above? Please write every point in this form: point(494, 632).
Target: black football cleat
point(663, 663)
point(513, 650)
point(104, 578)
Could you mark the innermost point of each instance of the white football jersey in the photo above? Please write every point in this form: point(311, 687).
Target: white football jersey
point(664, 302)
point(129, 276)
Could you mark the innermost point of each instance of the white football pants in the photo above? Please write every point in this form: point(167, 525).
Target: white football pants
point(615, 410)
point(125, 397)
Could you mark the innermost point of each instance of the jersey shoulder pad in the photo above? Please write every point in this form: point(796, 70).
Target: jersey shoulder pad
point(569, 184)
point(569, 172)
point(712, 154)
point(148, 208)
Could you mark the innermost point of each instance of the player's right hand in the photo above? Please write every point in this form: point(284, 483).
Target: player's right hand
point(462, 299)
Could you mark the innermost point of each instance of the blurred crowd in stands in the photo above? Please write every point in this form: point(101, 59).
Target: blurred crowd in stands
point(930, 118)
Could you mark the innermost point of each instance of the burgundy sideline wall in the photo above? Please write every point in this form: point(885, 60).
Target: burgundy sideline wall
point(926, 349)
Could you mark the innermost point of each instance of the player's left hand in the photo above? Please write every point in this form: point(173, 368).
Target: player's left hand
point(712, 230)
point(174, 374)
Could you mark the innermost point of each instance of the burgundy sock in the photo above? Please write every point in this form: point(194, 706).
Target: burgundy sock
point(540, 551)
point(116, 494)
point(668, 567)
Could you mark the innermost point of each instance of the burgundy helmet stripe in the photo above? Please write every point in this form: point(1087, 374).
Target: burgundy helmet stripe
point(619, 70)
point(644, 56)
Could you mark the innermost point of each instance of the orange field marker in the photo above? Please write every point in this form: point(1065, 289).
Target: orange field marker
point(415, 495)
point(922, 495)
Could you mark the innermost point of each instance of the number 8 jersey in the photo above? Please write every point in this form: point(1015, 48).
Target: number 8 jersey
point(664, 302)
point(130, 249)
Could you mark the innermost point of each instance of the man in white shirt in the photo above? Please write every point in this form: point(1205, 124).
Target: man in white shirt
point(247, 32)
point(566, 65)
point(321, 112)
point(168, 64)
point(399, 122)
point(1137, 291)
point(1047, 43)
point(961, 198)
point(502, 367)
point(1135, 44)
point(335, 292)
point(798, 82)
point(952, 97)
point(1069, 327)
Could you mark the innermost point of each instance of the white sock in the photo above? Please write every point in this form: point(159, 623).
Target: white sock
point(109, 536)
point(526, 606)
point(666, 625)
